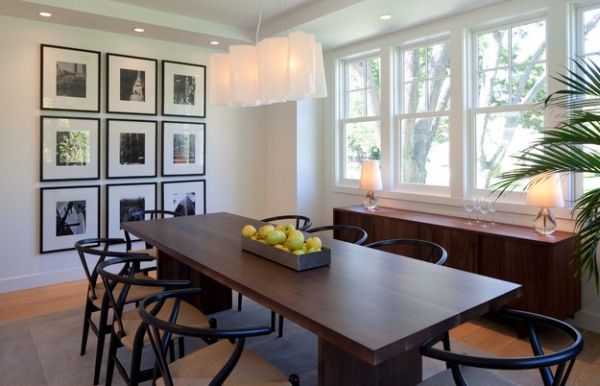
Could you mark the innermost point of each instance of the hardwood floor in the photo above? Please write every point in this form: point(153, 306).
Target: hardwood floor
point(485, 334)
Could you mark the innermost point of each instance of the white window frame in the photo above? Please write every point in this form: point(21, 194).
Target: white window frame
point(399, 115)
point(342, 121)
point(474, 109)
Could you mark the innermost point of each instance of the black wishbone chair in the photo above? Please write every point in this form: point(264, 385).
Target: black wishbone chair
point(96, 298)
point(465, 370)
point(302, 224)
point(357, 233)
point(143, 215)
point(418, 249)
point(128, 331)
point(224, 361)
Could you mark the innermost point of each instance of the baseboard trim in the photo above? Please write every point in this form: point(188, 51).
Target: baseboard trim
point(587, 320)
point(17, 283)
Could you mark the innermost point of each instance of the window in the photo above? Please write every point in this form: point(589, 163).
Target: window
point(510, 82)
point(588, 46)
point(360, 111)
point(424, 78)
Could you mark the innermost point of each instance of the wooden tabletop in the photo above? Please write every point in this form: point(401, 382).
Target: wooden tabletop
point(504, 230)
point(371, 303)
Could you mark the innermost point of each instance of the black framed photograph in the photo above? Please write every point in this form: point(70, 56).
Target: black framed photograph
point(127, 202)
point(183, 148)
point(131, 85)
point(131, 148)
point(69, 148)
point(68, 214)
point(70, 79)
point(186, 198)
point(184, 89)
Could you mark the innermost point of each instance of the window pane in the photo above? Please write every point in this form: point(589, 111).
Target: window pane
point(438, 60)
point(591, 31)
point(373, 71)
point(493, 49)
point(439, 94)
point(356, 75)
point(529, 83)
point(362, 141)
point(373, 102)
point(499, 136)
point(356, 104)
point(529, 42)
point(425, 151)
point(414, 64)
point(414, 96)
point(493, 88)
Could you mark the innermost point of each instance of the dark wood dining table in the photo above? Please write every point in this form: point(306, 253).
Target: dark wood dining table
point(370, 309)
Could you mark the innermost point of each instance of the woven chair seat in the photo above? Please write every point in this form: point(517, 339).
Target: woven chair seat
point(153, 252)
point(201, 366)
point(473, 375)
point(188, 316)
point(136, 292)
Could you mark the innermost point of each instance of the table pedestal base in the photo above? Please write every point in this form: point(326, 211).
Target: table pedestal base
point(215, 296)
point(338, 367)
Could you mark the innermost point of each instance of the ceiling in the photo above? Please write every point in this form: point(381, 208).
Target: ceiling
point(335, 22)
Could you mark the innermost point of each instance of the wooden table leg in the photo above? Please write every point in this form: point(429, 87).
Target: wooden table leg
point(215, 296)
point(338, 367)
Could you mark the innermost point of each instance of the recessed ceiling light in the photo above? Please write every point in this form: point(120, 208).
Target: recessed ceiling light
point(45, 14)
point(213, 43)
point(138, 30)
point(385, 17)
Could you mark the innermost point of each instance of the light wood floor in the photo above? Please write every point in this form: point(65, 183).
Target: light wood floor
point(484, 334)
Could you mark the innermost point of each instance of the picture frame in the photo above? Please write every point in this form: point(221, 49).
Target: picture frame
point(126, 202)
point(68, 214)
point(69, 148)
point(183, 89)
point(183, 149)
point(131, 84)
point(187, 198)
point(130, 148)
point(70, 79)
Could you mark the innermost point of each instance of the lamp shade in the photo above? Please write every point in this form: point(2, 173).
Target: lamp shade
point(545, 191)
point(370, 175)
point(273, 69)
point(301, 65)
point(219, 79)
point(244, 75)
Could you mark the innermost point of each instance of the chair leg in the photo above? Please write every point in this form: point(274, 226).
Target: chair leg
point(102, 330)
point(181, 346)
point(86, 325)
point(272, 321)
point(239, 301)
point(112, 353)
point(280, 326)
point(172, 351)
point(136, 363)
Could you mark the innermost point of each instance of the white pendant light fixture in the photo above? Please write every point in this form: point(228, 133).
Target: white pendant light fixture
point(276, 69)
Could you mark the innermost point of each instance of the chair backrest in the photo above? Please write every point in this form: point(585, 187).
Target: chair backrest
point(563, 359)
point(302, 222)
point(418, 249)
point(142, 215)
point(344, 232)
point(161, 330)
point(99, 249)
point(123, 268)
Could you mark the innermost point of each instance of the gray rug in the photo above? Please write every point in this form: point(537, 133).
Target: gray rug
point(45, 350)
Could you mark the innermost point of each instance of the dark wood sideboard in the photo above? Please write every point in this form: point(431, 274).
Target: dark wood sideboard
point(542, 264)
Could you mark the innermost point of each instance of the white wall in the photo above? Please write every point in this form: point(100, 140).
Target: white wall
point(236, 149)
point(558, 13)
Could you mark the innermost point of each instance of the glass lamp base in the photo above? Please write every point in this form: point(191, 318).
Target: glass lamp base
point(545, 222)
point(370, 201)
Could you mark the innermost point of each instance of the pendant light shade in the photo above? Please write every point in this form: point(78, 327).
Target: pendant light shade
point(277, 69)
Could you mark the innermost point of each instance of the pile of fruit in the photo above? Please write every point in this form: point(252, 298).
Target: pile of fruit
point(285, 237)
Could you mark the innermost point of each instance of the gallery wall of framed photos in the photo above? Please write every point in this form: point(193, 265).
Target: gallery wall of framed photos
point(78, 144)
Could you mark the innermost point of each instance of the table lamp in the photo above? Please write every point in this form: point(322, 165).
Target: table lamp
point(545, 191)
point(370, 180)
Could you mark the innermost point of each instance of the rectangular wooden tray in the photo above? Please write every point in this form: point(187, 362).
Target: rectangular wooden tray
point(288, 259)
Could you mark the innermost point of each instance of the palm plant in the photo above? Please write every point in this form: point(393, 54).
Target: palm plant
point(570, 148)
